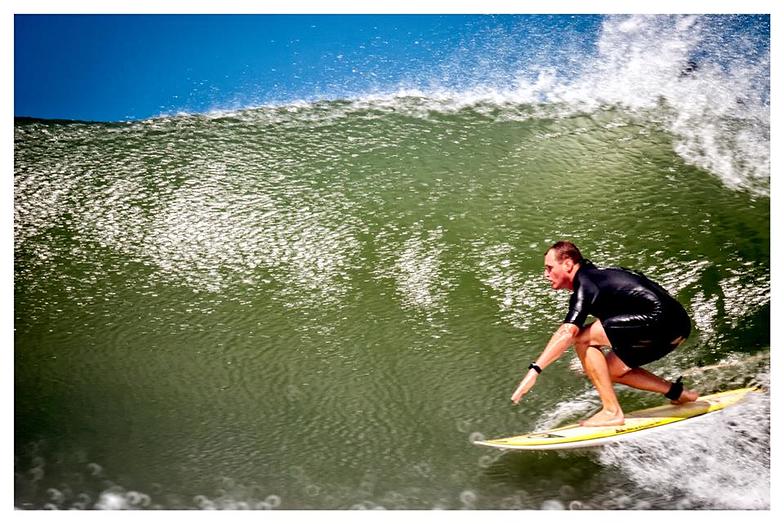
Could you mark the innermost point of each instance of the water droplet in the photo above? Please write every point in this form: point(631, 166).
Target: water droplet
point(475, 436)
point(468, 497)
point(94, 469)
point(552, 505)
point(486, 461)
point(201, 500)
point(111, 501)
point(133, 498)
point(55, 495)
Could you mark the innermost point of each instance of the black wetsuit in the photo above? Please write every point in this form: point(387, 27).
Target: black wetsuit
point(642, 320)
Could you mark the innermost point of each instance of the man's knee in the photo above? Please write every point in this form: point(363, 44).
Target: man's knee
point(583, 338)
point(581, 347)
point(616, 366)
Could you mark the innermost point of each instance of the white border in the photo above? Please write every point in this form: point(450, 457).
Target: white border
point(397, 7)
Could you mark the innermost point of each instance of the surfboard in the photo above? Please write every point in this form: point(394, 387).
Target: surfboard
point(635, 423)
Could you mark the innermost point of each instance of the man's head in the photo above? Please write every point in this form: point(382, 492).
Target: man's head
point(561, 262)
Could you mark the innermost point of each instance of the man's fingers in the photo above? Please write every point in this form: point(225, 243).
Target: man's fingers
point(523, 388)
point(518, 394)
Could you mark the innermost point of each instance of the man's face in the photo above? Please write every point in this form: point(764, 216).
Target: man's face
point(558, 272)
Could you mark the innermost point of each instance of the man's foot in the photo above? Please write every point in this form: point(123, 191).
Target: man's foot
point(688, 395)
point(604, 418)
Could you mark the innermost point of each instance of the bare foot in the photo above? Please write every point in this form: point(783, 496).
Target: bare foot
point(688, 395)
point(604, 418)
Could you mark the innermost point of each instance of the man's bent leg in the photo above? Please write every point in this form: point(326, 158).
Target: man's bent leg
point(640, 378)
point(588, 345)
point(637, 378)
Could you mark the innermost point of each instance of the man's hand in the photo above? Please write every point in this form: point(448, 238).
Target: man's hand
point(559, 342)
point(527, 383)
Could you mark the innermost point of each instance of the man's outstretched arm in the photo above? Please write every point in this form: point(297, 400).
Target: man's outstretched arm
point(559, 342)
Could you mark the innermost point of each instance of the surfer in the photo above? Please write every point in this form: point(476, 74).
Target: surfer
point(636, 318)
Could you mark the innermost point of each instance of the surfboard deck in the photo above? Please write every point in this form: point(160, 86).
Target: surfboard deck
point(575, 436)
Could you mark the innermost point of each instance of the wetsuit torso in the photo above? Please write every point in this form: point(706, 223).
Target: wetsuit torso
point(641, 320)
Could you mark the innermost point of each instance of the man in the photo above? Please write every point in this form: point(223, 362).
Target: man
point(636, 318)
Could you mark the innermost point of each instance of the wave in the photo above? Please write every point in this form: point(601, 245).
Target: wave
point(703, 79)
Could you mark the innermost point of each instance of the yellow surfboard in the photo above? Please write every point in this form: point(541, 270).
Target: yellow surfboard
point(576, 436)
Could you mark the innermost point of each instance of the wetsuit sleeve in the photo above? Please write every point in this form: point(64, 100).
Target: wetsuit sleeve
point(580, 303)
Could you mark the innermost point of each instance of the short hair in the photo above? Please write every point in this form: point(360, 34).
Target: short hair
point(565, 249)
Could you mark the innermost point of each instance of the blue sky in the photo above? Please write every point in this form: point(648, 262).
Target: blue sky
point(117, 67)
point(121, 67)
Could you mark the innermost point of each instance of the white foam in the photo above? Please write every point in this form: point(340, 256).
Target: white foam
point(744, 292)
point(584, 403)
point(413, 259)
point(721, 461)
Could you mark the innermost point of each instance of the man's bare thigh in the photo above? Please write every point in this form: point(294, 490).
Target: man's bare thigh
point(593, 335)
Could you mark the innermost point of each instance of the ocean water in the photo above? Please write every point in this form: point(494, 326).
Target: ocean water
point(320, 303)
